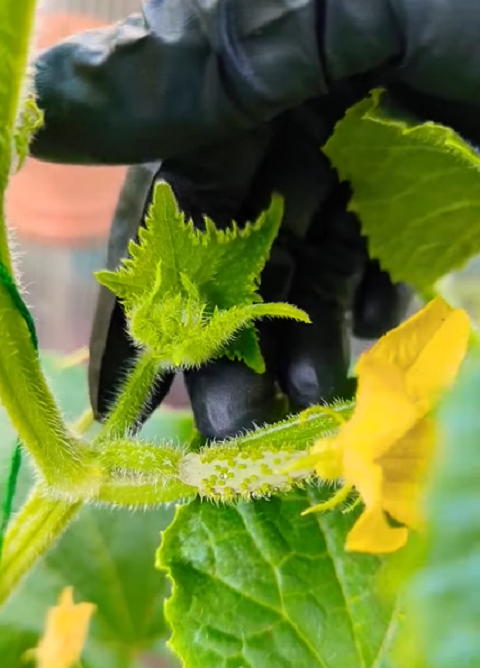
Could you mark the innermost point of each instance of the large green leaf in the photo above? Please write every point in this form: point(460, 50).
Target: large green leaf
point(107, 555)
point(415, 188)
point(445, 592)
point(260, 586)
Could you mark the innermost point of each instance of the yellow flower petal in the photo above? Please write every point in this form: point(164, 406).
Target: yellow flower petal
point(403, 345)
point(65, 633)
point(372, 534)
point(404, 469)
point(366, 476)
point(387, 444)
point(383, 411)
point(437, 365)
point(327, 455)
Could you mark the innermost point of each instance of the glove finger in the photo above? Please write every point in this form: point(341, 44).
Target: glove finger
point(172, 77)
point(379, 304)
point(315, 362)
point(315, 358)
point(208, 182)
point(228, 397)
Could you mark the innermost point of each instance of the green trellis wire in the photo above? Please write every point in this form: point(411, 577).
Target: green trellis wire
point(16, 461)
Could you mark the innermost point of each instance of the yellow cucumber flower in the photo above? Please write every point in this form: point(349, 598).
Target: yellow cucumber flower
point(65, 633)
point(383, 451)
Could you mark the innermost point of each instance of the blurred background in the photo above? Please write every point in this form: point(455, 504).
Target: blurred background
point(62, 226)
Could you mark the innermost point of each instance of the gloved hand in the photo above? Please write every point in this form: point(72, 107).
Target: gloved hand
point(319, 262)
point(187, 73)
point(162, 85)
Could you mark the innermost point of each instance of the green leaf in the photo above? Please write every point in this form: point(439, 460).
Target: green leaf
point(222, 265)
point(186, 292)
point(205, 340)
point(30, 120)
point(415, 189)
point(444, 601)
point(259, 586)
point(108, 556)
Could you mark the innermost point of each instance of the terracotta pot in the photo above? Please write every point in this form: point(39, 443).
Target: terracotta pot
point(56, 203)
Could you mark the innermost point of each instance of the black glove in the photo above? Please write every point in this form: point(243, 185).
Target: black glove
point(319, 262)
point(187, 73)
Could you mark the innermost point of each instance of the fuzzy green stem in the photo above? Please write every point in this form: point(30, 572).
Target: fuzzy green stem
point(133, 457)
point(142, 474)
point(132, 398)
point(144, 492)
point(257, 464)
point(61, 459)
point(16, 27)
point(34, 530)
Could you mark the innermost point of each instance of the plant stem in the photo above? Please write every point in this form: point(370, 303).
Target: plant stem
point(145, 474)
point(135, 457)
point(142, 474)
point(62, 460)
point(143, 492)
point(35, 529)
point(132, 398)
point(16, 27)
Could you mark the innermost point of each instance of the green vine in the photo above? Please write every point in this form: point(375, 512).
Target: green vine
point(289, 589)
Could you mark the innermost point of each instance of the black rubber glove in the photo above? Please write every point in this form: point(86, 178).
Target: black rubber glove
point(319, 262)
point(187, 73)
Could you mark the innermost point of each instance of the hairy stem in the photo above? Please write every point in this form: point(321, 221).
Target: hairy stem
point(23, 388)
point(61, 459)
point(137, 474)
point(132, 398)
point(142, 474)
point(34, 530)
point(133, 457)
point(16, 27)
point(257, 464)
point(144, 492)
